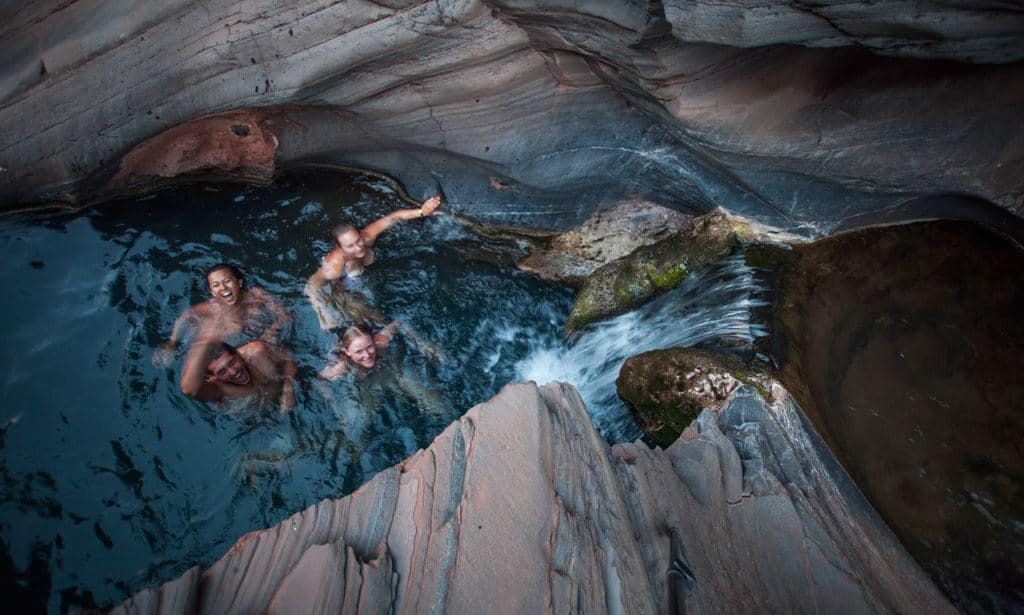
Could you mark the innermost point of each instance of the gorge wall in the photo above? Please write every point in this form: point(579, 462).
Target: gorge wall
point(808, 116)
point(521, 507)
point(536, 113)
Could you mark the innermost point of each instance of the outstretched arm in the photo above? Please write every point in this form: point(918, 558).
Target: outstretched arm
point(164, 353)
point(193, 376)
point(374, 230)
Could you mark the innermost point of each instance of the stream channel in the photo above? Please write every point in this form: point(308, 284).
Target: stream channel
point(115, 481)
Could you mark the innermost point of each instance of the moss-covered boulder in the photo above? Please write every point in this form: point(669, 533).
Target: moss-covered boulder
point(629, 282)
point(666, 389)
point(575, 254)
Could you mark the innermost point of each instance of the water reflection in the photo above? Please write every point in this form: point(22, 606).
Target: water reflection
point(121, 480)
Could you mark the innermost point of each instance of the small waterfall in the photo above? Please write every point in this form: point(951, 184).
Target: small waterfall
point(714, 304)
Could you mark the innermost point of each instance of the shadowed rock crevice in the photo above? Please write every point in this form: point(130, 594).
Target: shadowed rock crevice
point(907, 359)
point(747, 513)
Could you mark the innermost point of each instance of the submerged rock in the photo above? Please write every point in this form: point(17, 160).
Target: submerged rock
point(520, 507)
point(572, 256)
point(666, 389)
point(632, 280)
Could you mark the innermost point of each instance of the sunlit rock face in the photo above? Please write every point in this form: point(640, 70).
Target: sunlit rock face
point(521, 507)
point(537, 113)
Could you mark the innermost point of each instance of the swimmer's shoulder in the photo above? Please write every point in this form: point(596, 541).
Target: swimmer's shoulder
point(333, 265)
point(205, 309)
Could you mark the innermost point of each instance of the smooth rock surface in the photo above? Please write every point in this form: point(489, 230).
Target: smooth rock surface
point(967, 30)
point(903, 346)
point(573, 255)
point(520, 507)
point(632, 280)
point(539, 112)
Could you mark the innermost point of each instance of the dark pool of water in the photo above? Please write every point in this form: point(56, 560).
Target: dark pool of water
point(912, 355)
point(113, 480)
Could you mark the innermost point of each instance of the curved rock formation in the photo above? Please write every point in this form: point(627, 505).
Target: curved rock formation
point(521, 507)
point(967, 31)
point(907, 360)
point(530, 112)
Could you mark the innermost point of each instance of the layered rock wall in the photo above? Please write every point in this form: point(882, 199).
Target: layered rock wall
point(521, 507)
point(539, 112)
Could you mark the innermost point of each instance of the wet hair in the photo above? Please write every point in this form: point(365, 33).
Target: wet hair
point(222, 347)
point(341, 229)
point(352, 334)
point(235, 271)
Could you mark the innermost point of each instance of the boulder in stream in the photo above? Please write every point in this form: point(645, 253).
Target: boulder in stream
point(629, 282)
point(606, 236)
point(666, 389)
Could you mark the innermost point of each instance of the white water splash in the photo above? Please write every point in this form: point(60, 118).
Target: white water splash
point(715, 304)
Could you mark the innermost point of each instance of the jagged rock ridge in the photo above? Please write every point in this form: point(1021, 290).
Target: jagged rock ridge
point(521, 507)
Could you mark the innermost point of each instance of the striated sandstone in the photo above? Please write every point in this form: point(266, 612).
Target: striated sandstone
point(537, 113)
point(521, 507)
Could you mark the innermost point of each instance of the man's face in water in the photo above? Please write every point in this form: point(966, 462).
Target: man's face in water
point(224, 287)
point(362, 351)
point(230, 369)
point(351, 244)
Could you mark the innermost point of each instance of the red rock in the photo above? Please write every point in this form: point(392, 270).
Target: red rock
point(232, 144)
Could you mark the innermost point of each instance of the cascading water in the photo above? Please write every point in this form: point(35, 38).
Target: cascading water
point(114, 480)
point(715, 304)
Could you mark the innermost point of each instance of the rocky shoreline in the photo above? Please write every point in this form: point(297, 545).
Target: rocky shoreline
point(520, 506)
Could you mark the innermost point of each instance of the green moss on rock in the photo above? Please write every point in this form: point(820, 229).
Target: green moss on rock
point(666, 390)
point(631, 281)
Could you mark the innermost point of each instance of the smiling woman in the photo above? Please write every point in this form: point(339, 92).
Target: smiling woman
point(232, 311)
point(116, 480)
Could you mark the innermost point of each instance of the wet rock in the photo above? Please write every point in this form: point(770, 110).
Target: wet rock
point(903, 345)
point(631, 281)
point(572, 256)
point(540, 113)
point(666, 389)
point(521, 507)
point(916, 29)
point(227, 145)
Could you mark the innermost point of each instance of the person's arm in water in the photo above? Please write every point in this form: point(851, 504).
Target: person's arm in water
point(287, 385)
point(384, 336)
point(374, 229)
point(282, 317)
point(334, 370)
point(426, 348)
point(194, 381)
point(164, 353)
point(334, 264)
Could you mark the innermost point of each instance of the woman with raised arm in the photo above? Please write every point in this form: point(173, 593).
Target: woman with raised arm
point(233, 309)
point(352, 253)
